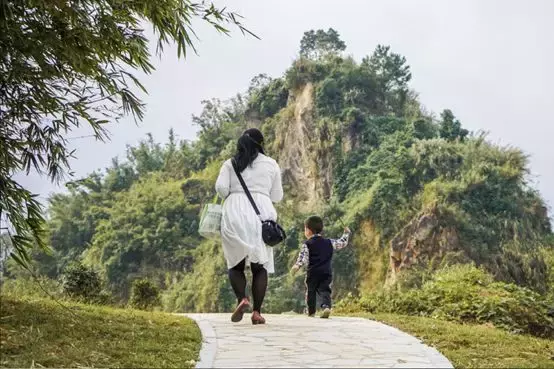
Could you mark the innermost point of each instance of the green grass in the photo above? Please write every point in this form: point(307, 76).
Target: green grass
point(474, 346)
point(39, 332)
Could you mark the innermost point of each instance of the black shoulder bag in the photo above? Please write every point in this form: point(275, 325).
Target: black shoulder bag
point(272, 233)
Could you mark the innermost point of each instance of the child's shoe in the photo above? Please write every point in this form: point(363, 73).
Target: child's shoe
point(326, 313)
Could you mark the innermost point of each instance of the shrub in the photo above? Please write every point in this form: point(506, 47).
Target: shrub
point(21, 286)
point(328, 98)
point(82, 283)
point(269, 99)
point(304, 71)
point(145, 295)
point(464, 293)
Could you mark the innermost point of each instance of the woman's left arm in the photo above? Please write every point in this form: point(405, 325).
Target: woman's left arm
point(276, 193)
point(223, 183)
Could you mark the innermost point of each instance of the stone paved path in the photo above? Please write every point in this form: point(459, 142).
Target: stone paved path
point(295, 341)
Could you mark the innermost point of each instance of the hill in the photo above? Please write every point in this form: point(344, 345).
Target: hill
point(356, 145)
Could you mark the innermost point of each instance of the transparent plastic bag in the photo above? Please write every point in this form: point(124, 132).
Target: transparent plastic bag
point(210, 220)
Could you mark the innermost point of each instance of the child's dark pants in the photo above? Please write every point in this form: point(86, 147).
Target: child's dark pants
point(318, 284)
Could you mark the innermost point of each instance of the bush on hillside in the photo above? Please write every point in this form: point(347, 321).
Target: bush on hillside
point(304, 71)
point(82, 283)
point(25, 286)
point(145, 295)
point(464, 293)
point(548, 255)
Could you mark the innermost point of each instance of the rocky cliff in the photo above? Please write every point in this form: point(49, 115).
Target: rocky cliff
point(300, 151)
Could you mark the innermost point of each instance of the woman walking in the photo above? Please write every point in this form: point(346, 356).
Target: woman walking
point(241, 229)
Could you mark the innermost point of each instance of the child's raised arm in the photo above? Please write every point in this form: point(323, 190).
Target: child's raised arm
point(343, 241)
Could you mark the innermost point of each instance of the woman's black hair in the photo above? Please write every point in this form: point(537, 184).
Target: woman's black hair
point(249, 145)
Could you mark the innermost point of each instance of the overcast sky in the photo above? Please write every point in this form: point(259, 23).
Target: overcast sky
point(490, 61)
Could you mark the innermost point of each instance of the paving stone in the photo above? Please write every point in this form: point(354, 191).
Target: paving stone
point(301, 342)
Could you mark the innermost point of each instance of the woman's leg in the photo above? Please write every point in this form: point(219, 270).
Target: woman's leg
point(238, 280)
point(259, 285)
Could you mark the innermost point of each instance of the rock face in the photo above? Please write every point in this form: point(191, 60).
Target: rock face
point(305, 165)
point(303, 152)
point(420, 241)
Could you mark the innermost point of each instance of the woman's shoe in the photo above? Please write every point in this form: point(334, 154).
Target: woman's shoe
point(326, 313)
point(241, 308)
point(257, 318)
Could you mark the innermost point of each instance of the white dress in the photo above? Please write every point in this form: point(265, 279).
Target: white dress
point(241, 228)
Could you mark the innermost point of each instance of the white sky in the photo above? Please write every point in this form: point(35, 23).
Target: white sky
point(490, 61)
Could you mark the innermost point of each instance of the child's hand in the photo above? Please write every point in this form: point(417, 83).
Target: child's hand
point(346, 230)
point(295, 268)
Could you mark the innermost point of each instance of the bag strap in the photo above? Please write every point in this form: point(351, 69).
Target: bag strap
point(217, 199)
point(244, 187)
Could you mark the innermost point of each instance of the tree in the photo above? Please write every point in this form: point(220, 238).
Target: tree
point(450, 128)
point(393, 75)
point(318, 44)
point(266, 96)
point(147, 157)
point(148, 231)
point(390, 67)
point(64, 64)
point(220, 123)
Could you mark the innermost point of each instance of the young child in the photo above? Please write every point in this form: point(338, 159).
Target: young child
point(317, 253)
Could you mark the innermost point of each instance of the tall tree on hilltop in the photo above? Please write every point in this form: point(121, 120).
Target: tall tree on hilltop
point(320, 43)
point(393, 74)
point(450, 128)
point(390, 67)
point(64, 64)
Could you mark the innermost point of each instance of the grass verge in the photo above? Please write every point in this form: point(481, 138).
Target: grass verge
point(39, 332)
point(474, 346)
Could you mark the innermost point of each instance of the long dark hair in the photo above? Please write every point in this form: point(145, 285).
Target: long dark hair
point(249, 145)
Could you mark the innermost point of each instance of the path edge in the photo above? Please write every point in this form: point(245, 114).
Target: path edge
point(208, 349)
point(437, 358)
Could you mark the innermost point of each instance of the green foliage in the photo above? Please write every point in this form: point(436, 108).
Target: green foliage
point(464, 293)
point(145, 295)
point(304, 71)
point(285, 294)
point(480, 189)
point(424, 129)
point(220, 123)
point(67, 64)
point(81, 283)
point(391, 68)
point(205, 287)
point(149, 229)
point(42, 287)
point(329, 98)
point(546, 253)
point(388, 160)
point(34, 331)
point(267, 96)
point(392, 75)
point(73, 221)
point(451, 128)
point(320, 43)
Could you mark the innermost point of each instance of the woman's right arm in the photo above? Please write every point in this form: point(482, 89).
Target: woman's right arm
point(223, 183)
